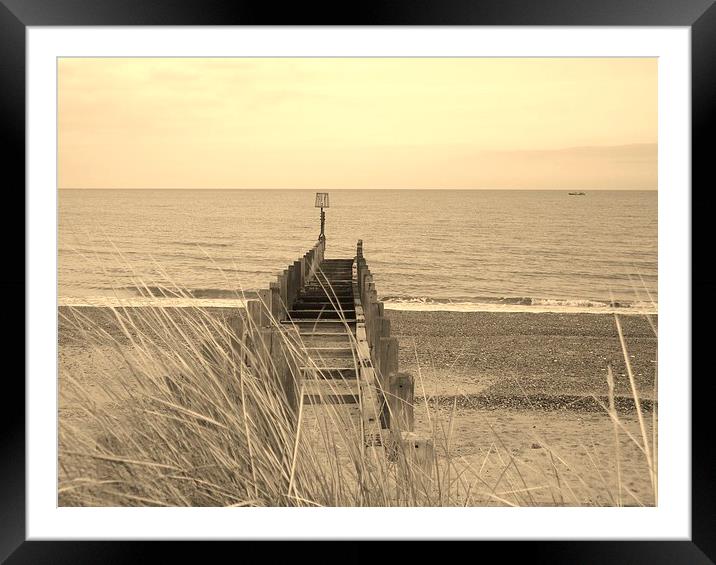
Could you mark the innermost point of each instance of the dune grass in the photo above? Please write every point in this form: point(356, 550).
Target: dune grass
point(202, 421)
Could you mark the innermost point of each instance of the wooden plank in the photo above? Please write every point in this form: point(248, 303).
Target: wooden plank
point(330, 350)
point(330, 391)
point(326, 339)
point(324, 323)
point(330, 386)
point(319, 363)
point(331, 373)
point(326, 332)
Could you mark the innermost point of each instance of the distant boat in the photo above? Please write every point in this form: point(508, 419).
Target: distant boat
point(577, 193)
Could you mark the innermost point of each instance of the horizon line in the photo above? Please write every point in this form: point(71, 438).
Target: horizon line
point(338, 188)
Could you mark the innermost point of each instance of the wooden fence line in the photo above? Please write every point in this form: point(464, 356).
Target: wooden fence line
point(394, 394)
point(277, 348)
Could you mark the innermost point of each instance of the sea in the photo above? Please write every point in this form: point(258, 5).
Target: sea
point(459, 250)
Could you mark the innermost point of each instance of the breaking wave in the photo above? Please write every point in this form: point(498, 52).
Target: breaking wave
point(216, 297)
point(518, 304)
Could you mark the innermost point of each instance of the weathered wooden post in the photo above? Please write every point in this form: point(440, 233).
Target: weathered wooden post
point(375, 343)
point(382, 325)
point(276, 310)
point(282, 366)
point(359, 265)
point(376, 335)
point(388, 356)
point(387, 365)
point(314, 262)
point(290, 286)
point(297, 281)
point(255, 339)
point(417, 454)
point(262, 348)
point(253, 312)
point(400, 393)
point(284, 289)
point(294, 353)
point(237, 326)
point(385, 327)
point(370, 416)
point(367, 279)
point(321, 250)
point(265, 300)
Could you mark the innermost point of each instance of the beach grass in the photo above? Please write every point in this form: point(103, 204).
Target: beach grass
point(202, 421)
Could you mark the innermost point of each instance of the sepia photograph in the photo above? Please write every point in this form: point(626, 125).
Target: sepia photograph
point(357, 281)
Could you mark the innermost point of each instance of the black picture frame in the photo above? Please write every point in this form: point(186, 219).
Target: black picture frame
point(17, 15)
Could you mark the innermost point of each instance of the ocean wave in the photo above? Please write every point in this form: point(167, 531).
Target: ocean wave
point(518, 304)
point(519, 300)
point(216, 297)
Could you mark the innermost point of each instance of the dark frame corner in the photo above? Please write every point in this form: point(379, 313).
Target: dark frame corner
point(700, 15)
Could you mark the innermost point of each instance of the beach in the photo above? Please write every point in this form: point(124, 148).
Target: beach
point(525, 385)
point(534, 387)
point(513, 354)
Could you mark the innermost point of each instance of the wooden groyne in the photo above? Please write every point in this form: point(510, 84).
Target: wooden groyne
point(387, 395)
point(327, 338)
point(260, 336)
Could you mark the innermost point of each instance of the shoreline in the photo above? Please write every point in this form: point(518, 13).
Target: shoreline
point(497, 308)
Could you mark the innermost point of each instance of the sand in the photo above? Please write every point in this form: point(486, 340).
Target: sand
point(522, 385)
point(512, 394)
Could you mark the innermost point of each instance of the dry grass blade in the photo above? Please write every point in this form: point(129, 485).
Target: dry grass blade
point(615, 419)
point(635, 395)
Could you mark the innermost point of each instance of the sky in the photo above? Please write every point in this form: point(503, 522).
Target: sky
point(332, 123)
